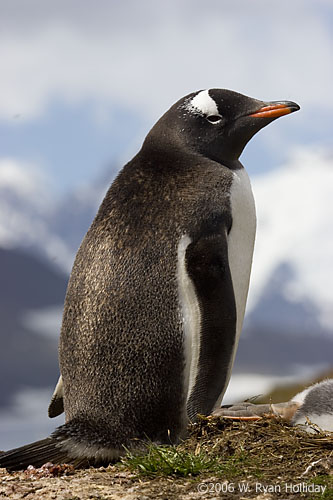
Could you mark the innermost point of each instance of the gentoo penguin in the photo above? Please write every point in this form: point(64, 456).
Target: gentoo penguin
point(156, 298)
point(311, 408)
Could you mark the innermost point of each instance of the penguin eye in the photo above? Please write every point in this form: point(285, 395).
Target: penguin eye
point(214, 118)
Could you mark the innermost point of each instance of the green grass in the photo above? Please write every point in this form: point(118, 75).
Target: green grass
point(168, 460)
point(323, 481)
point(163, 460)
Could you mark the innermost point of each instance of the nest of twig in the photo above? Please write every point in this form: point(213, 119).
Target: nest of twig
point(269, 447)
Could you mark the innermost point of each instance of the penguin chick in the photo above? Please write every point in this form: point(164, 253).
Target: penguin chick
point(315, 407)
point(311, 408)
point(156, 298)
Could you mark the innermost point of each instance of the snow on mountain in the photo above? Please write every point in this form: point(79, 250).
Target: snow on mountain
point(295, 235)
point(25, 205)
point(72, 217)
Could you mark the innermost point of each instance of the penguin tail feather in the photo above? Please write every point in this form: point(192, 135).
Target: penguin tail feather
point(37, 454)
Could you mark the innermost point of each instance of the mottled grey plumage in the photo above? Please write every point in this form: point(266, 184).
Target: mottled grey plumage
point(127, 375)
point(316, 406)
point(311, 408)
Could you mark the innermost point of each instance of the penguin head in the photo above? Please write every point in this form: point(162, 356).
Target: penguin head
point(217, 123)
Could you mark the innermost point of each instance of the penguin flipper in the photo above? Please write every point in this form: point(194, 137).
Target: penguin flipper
point(208, 267)
point(37, 454)
point(56, 406)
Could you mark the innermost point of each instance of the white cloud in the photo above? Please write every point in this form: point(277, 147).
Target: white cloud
point(23, 179)
point(147, 54)
point(46, 321)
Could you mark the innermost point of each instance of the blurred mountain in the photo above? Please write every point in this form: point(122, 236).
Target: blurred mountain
point(38, 241)
point(288, 326)
point(289, 321)
point(27, 359)
point(295, 236)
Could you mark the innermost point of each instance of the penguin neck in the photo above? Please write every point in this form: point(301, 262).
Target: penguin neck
point(166, 152)
point(167, 148)
point(232, 164)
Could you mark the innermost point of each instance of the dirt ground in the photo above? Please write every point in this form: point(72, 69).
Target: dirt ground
point(261, 460)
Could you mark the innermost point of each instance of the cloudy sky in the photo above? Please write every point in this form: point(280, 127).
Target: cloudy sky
point(83, 81)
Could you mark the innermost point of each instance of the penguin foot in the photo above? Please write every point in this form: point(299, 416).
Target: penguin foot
point(251, 411)
point(244, 411)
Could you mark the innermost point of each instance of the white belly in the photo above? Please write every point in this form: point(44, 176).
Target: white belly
point(240, 248)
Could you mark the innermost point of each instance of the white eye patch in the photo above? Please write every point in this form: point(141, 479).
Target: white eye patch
point(204, 104)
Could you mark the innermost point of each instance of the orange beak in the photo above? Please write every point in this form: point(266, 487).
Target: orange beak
point(275, 110)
